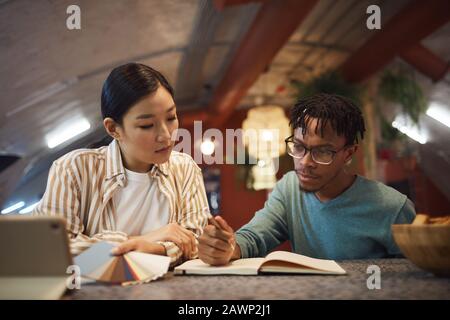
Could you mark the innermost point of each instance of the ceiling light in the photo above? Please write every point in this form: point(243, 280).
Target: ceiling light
point(29, 208)
point(14, 207)
point(411, 131)
point(60, 136)
point(439, 112)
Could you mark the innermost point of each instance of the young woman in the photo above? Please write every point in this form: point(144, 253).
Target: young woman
point(136, 191)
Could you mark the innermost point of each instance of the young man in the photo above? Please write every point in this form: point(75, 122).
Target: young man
point(323, 210)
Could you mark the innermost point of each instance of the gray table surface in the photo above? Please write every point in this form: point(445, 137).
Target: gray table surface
point(400, 279)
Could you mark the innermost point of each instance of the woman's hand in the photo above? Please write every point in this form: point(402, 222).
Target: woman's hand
point(182, 237)
point(139, 245)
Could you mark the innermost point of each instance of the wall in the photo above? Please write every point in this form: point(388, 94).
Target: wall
point(407, 176)
point(428, 198)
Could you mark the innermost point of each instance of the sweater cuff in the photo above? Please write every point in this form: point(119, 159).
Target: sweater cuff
point(241, 241)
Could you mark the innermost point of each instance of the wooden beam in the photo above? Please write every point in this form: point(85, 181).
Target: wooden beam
point(187, 118)
point(407, 28)
point(222, 4)
point(275, 22)
point(425, 61)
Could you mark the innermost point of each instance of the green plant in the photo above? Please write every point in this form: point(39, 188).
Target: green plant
point(401, 88)
point(329, 82)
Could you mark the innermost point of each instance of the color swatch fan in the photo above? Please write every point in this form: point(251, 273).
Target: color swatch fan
point(99, 264)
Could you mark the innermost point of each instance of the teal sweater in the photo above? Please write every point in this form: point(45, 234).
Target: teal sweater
point(354, 225)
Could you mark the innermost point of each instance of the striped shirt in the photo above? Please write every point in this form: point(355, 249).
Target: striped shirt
point(81, 185)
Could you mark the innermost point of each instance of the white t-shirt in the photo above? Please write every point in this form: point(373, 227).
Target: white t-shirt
point(140, 206)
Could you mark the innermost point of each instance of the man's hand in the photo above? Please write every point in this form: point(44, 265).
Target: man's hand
point(182, 237)
point(217, 246)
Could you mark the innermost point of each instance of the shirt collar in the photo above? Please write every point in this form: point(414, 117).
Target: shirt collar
point(114, 164)
point(162, 167)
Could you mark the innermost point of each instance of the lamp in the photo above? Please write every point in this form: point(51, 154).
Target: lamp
point(264, 130)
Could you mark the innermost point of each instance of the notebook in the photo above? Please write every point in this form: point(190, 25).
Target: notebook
point(99, 264)
point(34, 255)
point(275, 262)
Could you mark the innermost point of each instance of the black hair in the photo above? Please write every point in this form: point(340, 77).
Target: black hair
point(343, 115)
point(126, 85)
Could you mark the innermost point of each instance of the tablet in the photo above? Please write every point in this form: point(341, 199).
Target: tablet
point(35, 255)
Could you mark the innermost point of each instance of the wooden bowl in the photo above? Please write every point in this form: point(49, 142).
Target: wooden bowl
point(427, 246)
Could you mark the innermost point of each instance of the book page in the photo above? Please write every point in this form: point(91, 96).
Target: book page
point(151, 263)
point(140, 272)
point(103, 271)
point(94, 257)
point(303, 262)
point(239, 267)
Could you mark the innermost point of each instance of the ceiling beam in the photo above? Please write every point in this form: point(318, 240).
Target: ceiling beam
point(187, 118)
point(425, 61)
point(407, 28)
point(207, 21)
point(275, 22)
point(222, 4)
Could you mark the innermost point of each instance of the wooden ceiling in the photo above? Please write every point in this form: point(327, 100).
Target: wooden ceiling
point(219, 55)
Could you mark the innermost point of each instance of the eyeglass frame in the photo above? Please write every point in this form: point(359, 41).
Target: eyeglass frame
point(287, 140)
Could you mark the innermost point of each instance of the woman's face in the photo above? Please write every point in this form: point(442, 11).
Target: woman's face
point(145, 136)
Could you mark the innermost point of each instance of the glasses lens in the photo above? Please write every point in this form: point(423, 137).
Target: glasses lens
point(322, 156)
point(295, 150)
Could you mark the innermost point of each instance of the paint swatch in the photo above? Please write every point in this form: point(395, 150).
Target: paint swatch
point(99, 264)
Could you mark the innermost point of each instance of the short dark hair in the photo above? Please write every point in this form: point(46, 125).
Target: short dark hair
point(343, 115)
point(126, 85)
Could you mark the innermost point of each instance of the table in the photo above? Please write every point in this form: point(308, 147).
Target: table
point(400, 279)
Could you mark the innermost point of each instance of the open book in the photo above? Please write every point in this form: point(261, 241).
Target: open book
point(275, 262)
point(99, 264)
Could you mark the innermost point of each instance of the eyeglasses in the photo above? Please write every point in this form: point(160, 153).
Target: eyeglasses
point(320, 155)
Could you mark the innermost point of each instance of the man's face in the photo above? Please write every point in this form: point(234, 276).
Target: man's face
point(313, 176)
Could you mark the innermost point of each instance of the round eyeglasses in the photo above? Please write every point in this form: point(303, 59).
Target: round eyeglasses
point(320, 155)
